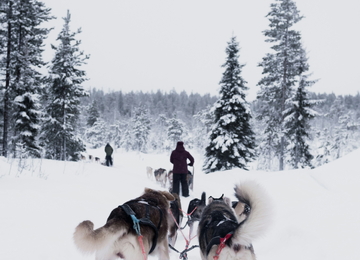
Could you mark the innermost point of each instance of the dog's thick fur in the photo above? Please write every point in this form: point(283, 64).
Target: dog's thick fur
point(161, 176)
point(246, 221)
point(170, 178)
point(175, 219)
point(118, 239)
point(195, 209)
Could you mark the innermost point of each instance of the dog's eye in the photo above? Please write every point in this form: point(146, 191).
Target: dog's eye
point(247, 209)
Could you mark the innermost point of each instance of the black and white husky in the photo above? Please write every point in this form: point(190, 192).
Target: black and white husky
point(226, 230)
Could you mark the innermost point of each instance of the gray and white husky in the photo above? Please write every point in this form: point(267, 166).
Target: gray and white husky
point(227, 230)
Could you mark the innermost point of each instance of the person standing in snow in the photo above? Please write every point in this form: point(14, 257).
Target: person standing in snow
point(179, 159)
point(108, 158)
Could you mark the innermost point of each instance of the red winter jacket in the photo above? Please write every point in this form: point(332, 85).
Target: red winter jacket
point(179, 158)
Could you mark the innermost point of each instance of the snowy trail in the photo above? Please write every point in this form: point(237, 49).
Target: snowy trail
point(316, 214)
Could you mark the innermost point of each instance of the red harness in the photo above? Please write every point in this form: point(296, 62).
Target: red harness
point(221, 245)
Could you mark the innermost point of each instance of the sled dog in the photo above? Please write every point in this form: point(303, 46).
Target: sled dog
point(149, 172)
point(195, 209)
point(175, 218)
point(118, 238)
point(161, 176)
point(170, 178)
point(234, 228)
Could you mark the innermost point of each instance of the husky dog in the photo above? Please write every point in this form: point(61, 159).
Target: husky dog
point(161, 176)
point(149, 172)
point(190, 180)
point(175, 219)
point(195, 209)
point(118, 238)
point(234, 225)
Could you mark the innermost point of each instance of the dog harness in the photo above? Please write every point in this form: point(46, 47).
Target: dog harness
point(144, 221)
point(224, 230)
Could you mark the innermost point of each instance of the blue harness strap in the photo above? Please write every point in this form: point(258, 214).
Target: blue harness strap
point(145, 221)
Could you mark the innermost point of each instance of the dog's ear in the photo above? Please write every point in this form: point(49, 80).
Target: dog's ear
point(168, 195)
point(210, 199)
point(148, 190)
point(227, 201)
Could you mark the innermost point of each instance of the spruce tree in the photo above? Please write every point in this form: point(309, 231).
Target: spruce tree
point(298, 127)
point(21, 53)
point(59, 135)
point(175, 130)
point(232, 140)
point(281, 72)
point(93, 114)
point(96, 135)
point(141, 128)
point(298, 117)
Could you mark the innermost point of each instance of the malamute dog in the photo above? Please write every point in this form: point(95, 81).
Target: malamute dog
point(226, 232)
point(118, 237)
point(175, 219)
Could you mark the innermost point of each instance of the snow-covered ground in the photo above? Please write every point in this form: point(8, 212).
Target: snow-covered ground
point(316, 212)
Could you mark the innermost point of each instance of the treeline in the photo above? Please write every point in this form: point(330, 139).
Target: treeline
point(144, 121)
point(159, 119)
point(118, 105)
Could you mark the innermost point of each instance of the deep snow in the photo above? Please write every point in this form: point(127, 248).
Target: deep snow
point(316, 212)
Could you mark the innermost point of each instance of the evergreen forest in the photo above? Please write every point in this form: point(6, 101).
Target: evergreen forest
point(51, 115)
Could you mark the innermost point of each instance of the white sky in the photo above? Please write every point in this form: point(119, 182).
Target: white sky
point(180, 45)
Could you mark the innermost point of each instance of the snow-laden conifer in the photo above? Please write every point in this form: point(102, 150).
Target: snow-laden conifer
point(22, 37)
point(283, 69)
point(232, 140)
point(59, 136)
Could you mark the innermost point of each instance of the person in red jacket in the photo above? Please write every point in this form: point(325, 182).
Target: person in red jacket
point(179, 159)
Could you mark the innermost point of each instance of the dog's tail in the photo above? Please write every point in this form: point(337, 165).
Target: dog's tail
point(89, 240)
point(257, 210)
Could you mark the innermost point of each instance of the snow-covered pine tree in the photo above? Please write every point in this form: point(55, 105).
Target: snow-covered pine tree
point(232, 140)
point(94, 114)
point(158, 137)
point(175, 130)
point(96, 135)
point(297, 119)
point(141, 128)
point(297, 125)
point(281, 70)
point(59, 136)
point(340, 128)
point(324, 151)
point(30, 15)
point(21, 56)
point(127, 139)
point(201, 127)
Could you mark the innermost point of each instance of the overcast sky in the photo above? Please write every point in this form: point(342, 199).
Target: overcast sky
point(180, 45)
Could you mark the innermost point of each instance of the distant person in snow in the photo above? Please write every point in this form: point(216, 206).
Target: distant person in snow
point(108, 158)
point(179, 158)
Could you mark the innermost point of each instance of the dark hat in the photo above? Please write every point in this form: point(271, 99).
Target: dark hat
point(180, 146)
